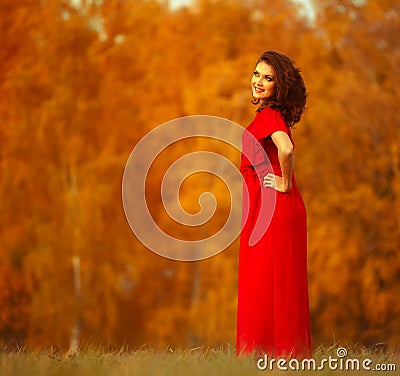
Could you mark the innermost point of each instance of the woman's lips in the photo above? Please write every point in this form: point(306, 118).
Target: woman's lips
point(258, 90)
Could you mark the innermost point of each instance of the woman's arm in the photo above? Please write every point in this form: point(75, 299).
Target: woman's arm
point(286, 160)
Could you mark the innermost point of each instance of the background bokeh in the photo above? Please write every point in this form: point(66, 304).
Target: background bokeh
point(82, 81)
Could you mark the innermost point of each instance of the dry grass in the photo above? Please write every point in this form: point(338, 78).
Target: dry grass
point(205, 361)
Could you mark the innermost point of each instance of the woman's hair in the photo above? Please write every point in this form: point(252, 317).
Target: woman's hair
point(290, 93)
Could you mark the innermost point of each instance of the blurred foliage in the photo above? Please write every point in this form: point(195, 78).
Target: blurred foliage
point(80, 85)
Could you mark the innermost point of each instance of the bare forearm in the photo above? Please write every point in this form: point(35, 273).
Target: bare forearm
point(286, 160)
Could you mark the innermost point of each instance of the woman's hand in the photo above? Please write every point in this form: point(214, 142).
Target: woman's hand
point(277, 182)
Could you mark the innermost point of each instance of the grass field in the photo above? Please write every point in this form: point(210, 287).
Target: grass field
point(219, 361)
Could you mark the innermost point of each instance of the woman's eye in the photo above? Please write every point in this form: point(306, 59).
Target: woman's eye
point(255, 73)
point(269, 79)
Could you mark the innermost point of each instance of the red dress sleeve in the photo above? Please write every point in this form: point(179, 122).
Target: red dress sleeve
point(267, 122)
point(255, 140)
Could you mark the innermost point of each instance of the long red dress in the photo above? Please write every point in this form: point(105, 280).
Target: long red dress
point(273, 309)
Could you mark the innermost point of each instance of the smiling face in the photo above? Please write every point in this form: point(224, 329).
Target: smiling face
point(263, 81)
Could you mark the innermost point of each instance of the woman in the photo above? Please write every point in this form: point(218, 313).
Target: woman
point(273, 312)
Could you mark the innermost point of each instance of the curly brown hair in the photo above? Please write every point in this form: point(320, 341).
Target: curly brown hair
point(290, 93)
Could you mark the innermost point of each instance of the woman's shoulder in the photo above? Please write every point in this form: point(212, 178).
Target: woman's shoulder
point(268, 121)
point(272, 113)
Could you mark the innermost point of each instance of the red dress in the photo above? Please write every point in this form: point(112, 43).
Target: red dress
point(273, 311)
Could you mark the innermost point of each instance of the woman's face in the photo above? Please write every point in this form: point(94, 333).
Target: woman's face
point(263, 81)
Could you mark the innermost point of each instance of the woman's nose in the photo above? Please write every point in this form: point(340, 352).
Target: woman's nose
point(259, 81)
